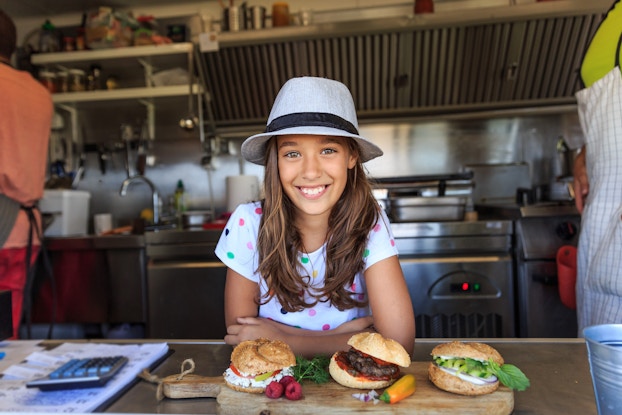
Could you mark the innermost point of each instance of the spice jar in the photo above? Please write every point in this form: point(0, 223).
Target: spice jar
point(48, 80)
point(77, 79)
point(62, 81)
point(280, 14)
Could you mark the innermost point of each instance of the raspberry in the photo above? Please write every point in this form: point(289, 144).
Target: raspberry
point(286, 380)
point(274, 390)
point(293, 391)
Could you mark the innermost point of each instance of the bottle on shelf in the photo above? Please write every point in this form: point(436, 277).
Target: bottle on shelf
point(49, 38)
point(180, 202)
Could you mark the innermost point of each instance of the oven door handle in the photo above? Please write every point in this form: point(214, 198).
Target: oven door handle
point(456, 260)
point(545, 279)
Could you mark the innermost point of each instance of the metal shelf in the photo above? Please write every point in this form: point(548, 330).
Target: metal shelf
point(124, 94)
point(113, 54)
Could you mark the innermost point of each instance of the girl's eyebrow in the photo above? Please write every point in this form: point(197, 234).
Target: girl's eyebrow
point(287, 144)
point(326, 140)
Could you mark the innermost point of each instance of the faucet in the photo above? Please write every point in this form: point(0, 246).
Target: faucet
point(154, 191)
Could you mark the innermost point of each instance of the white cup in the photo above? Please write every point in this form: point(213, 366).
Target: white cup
point(102, 222)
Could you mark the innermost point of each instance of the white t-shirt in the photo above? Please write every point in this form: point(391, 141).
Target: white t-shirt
point(237, 249)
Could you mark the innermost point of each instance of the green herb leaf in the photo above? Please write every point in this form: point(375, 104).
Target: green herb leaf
point(510, 376)
point(315, 369)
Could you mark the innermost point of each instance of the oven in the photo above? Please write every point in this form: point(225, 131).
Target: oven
point(540, 309)
point(185, 285)
point(459, 276)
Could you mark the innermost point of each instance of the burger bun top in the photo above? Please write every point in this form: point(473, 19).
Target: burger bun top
point(374, 344)
point(472, 350)
point(259, 356)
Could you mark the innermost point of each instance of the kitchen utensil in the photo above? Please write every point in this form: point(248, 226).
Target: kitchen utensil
point(234, 18)
point(191, 120)
point(418, 209)
point(196, 218)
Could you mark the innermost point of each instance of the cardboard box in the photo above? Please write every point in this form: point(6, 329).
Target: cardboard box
point(69, 210)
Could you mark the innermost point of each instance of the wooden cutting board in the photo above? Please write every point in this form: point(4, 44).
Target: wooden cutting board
point(335, 399)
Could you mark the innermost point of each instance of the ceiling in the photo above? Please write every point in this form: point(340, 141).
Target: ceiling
point(26, 8)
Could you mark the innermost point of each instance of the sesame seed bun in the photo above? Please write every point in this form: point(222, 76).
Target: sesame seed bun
point(262, 355)
point(256, 357)
point(472, 350)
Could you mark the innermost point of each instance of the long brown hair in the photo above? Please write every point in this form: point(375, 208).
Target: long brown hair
point(350, 222)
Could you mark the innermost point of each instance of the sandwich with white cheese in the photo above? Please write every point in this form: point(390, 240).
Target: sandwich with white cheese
point(256, 363)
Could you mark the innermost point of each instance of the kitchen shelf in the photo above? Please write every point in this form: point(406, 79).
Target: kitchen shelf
point(134, 67)
point(115, 54)
point(124, 94)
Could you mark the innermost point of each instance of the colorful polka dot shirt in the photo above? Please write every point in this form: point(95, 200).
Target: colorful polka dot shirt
point(236, 249)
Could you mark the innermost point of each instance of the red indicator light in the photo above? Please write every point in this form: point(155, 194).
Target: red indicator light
point(465, 286)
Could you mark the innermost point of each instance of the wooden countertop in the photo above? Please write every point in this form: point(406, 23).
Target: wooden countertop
point(558, 369)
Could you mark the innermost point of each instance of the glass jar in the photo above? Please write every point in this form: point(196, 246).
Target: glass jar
point(280, 14)
point(77, 80)
point(48, 80)
point(62, 81)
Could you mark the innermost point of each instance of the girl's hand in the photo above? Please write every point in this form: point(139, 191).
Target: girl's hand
point(251, 328)
point(355, 326)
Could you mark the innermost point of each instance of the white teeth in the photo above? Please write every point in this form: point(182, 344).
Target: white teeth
point(312, 191)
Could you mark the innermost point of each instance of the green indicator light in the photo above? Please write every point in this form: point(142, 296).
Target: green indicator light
point(476, 286)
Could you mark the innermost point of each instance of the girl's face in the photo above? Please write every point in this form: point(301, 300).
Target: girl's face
point(313, 170)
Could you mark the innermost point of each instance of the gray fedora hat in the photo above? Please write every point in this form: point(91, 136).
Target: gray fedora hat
point(309, 105)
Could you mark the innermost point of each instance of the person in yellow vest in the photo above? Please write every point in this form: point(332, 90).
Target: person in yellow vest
point(25, 122)
point(598, 177)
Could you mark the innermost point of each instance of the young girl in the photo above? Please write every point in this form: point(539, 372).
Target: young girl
point(314, 262)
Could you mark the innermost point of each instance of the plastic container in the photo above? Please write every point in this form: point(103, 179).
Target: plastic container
point(69, 210)
point(567, 275)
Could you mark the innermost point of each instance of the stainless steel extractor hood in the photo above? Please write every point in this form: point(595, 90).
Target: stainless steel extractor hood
point(511, 57)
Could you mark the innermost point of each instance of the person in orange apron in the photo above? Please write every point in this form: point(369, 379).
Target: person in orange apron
point(25, 124)
point(598, 177)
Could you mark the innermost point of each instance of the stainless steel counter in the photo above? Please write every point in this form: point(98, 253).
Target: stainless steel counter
point(558, 370)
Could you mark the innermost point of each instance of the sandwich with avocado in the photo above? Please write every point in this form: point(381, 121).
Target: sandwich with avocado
point(472, 369)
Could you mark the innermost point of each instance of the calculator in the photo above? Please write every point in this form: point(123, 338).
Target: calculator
point(81, 373)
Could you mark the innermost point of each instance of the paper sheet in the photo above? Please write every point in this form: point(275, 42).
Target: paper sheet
point(16, 397)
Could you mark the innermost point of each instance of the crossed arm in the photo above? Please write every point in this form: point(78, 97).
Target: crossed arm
point(389, 300)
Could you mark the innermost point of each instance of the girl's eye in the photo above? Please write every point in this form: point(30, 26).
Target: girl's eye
point(291, 154)
point(329, 151)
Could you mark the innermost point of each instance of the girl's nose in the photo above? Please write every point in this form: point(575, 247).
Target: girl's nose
point(311, 167)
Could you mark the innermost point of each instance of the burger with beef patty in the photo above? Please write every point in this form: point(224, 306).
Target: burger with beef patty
point(256, 363)
point(373, 362)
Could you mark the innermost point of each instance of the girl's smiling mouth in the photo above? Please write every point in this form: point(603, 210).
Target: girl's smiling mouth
point(313, 191)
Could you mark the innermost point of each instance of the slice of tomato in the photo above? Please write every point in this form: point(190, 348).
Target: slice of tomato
point(257, 378)
point(237, 372)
